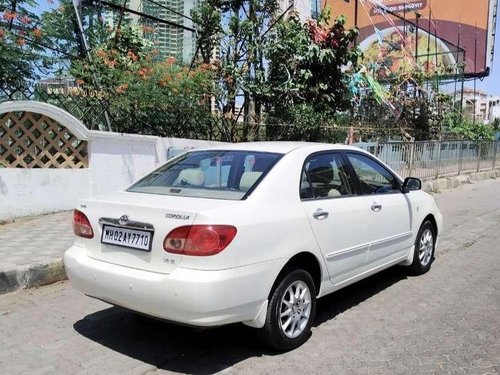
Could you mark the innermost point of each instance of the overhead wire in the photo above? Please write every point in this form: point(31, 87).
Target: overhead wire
point(148, 16)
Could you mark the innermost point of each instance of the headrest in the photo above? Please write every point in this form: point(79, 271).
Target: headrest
point(248, 179)
point(334, 193)
point(191, 176)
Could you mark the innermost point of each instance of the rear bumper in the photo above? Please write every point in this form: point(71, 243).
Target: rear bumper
point(195, 297)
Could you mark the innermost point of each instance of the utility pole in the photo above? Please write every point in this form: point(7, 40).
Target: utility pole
point(13, 9)
point(475, 74)
point(417, 17)
point(436, 60)
point(78, 26)
point(404, 20)
point(428, 48)
point(462, 90)
point(356, 5)
point(456, 68)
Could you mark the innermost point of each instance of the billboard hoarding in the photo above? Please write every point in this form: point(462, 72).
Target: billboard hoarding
point(439, 34)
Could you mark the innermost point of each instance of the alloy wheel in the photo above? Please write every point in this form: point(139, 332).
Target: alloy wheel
point(426, 247)
point(295, 309)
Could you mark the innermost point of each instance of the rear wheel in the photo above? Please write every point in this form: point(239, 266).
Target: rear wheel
point(424, 249)
point(291, 311)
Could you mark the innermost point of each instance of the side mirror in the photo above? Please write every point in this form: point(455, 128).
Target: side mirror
point(411, 183)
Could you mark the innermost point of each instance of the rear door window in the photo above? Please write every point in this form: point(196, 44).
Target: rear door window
point(325, 175)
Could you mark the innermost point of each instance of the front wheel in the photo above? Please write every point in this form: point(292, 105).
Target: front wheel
point(291, 311)
point(424, 249)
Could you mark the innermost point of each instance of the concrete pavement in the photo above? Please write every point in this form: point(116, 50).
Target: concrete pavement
point(31, 250)
point(444, 322)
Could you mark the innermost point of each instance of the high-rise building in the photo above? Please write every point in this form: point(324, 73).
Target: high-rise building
point(180, 43)
point(173, 40)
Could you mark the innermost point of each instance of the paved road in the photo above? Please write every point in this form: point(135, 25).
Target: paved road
point(445, 322)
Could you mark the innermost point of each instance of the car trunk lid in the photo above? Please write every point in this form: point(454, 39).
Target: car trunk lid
point(129, 228)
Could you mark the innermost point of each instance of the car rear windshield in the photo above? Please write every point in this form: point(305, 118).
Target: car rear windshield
point(209, 174)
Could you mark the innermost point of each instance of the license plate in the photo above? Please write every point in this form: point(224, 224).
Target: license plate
point(126, 237)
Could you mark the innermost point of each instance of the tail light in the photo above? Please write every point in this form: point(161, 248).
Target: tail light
point(199, 240)
point(81, 225)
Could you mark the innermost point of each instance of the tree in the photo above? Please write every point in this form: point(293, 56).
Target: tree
point(232, 38)
point(496, 124)
point(311, 63)
point(309, 70)
point(144, 95)
point(62, 31)
point(208, 18)
point(19, 26)
point(272, 60)
point(470, 131)
point(125, 50)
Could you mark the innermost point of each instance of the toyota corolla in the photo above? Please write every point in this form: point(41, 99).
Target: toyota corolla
point(252, 233)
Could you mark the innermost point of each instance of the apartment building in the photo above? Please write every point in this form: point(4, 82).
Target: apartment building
point(172, 40)
point(480, 106)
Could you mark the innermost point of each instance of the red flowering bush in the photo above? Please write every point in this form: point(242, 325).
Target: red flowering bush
point(149, 95)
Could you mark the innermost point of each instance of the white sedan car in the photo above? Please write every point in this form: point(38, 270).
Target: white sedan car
point(251, 233)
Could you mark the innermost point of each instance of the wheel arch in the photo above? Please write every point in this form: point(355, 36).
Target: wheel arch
point(432, 220)
point(304, 260)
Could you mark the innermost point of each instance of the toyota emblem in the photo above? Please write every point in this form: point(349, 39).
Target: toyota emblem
point(123, 219)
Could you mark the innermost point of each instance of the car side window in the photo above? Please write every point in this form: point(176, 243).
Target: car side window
point(325, 176)
point(373, 177)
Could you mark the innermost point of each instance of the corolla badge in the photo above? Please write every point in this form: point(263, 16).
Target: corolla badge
point(123, 220)
point(177, 216)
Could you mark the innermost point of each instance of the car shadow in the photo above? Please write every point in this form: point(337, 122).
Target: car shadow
point(341, 301)
point(206, 351)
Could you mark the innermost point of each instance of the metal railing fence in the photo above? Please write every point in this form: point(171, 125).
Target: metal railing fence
point(433, 159)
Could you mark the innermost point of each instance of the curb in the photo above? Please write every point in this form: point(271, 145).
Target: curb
point(436, 186)
point(30, 276)
point(48, 273)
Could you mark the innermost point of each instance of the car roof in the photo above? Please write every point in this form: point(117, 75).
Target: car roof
point(279, 147)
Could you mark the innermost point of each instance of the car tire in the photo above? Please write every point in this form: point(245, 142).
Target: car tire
point(424, 249)
point(291, 311)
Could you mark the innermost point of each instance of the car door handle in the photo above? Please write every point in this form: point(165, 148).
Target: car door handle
point(320, 214)
point(376, 207)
